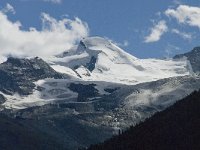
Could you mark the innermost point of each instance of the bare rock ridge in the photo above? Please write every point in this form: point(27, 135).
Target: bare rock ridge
point(18, 75)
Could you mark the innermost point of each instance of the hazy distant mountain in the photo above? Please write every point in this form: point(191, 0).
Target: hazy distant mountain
point(194, 58)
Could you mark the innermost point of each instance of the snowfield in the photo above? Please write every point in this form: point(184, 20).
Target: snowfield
point(51, 91)
point(112, 64)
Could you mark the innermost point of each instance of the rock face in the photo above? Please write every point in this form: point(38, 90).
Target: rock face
point(194, 58)
point(91, 65)
point(84, 91)
point(2, 99)
point(18, 75)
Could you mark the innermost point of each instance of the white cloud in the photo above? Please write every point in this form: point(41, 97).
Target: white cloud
point(185, 14)
point(55, 36)
point(156, 32)
point(8, 8)
point(184, 35)
point(54, 1)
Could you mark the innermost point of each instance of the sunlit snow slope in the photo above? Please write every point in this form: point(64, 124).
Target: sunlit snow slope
point(98, 59)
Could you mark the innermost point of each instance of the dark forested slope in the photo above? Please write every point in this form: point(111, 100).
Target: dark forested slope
point(18, 135)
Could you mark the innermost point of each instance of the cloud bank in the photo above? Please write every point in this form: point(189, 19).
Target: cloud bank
point(55, 36)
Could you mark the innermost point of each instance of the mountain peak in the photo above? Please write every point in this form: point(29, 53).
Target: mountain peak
point(99, 47)
point(18, 74)
point(103, 45)
point(23, 62)
point(95, 41)
point(105, 61)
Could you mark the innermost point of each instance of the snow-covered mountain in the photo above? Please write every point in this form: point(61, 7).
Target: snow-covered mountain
point(98, 59)
point(95, 85)
point(96, 65)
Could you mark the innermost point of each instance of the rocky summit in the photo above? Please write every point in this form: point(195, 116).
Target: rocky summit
point(18, 75)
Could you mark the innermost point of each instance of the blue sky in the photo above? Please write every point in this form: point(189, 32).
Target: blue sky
point(143, 28)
